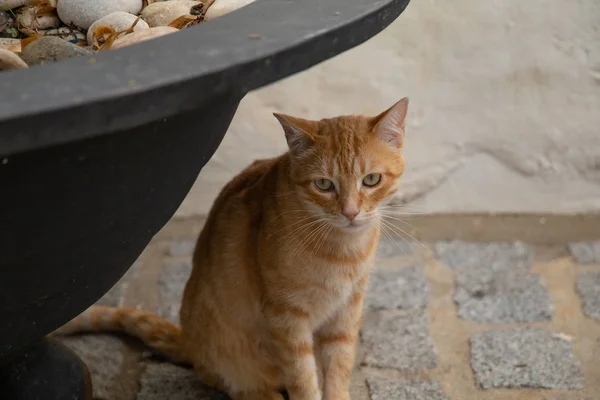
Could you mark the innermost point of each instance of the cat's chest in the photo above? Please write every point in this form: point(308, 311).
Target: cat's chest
point(331, 288)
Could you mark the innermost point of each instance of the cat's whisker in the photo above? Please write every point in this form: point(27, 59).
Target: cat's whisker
point(396, 234)
point(385, 231)
point(325, 237)
point(294, 243)
point(400, 217)
point(302, 230)
point(291, 225)
point(307, 239)
point(401, 221)
point(396, 228)
point(319, 240)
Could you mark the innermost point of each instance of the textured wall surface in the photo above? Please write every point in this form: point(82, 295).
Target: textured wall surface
point(505, 105)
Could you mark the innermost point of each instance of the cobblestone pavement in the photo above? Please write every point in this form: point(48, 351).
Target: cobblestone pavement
point(444, 320)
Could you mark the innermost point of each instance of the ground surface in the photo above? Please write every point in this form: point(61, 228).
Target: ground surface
point(448, 319)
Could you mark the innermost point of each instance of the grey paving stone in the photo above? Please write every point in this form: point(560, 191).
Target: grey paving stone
point(103, 355)
point(386, 389)
point(513, 295)
point(172, 280)
point(524, 357)
point(182, 247)
point(586, 252)
point(405, 288)
point(162, 381)
point(398, 341)
point(170, 311)
point(116, 295)
point(496, 256)
point(588, 287)
point(390, 248)
point(564, 398)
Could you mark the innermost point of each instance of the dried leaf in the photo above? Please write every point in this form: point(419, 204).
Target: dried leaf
point(44, 10)
point(184, 21)
point(30, 32)
point(101, 33)
point(133, 25)
point(110, 39)
point(103, 30)
point(43, 6)
point(26, 41)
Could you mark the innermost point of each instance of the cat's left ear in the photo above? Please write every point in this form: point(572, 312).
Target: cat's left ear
point(390, 125)
point(298, 132)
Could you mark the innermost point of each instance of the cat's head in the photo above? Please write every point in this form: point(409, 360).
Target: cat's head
point(346, 167)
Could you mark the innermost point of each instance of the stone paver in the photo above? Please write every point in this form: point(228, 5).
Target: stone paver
point(171, 284)
point(586, 252)
point(161, 381)
point(387, 389)
point(564, 398)
point(484, 295)
point(493, 284)
point(398, 341)
point(181, 247)
point(524, 357)
point(388, 248)
point(115, 296)
point(103, 355)
point(169, 311)
point(173, 279)
point(406, 288)
point(496, 256)
point(588, 287)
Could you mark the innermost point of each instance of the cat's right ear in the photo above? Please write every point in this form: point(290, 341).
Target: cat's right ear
point(297, 132)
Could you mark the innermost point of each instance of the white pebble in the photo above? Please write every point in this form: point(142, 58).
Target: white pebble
point(84, 13)
point(27, 17)
point(6, 5)
point(119, 21)
point(9, 60)
point(222, 7)
point(142, 35)
point(165, 12)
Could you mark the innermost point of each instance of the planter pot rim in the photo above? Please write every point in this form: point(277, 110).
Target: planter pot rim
point(156, 79)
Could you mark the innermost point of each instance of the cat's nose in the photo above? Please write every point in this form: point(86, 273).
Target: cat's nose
point(350, 213)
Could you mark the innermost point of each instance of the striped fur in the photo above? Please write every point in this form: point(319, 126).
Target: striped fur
point(275, 298)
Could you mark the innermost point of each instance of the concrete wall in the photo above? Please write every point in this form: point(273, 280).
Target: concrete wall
point(505, 105)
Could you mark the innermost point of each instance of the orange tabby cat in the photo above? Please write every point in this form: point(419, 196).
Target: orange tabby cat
point(275, 298)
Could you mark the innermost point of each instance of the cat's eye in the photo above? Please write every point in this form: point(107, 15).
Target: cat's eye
point(324, 185)
point(371, 180)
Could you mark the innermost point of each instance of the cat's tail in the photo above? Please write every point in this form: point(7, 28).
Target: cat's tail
point(157, 333)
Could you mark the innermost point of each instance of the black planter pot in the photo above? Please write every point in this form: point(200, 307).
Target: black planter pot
point(97, 153)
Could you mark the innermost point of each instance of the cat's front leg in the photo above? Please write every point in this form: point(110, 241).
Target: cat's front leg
point(337, 341)
point(293, 340)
